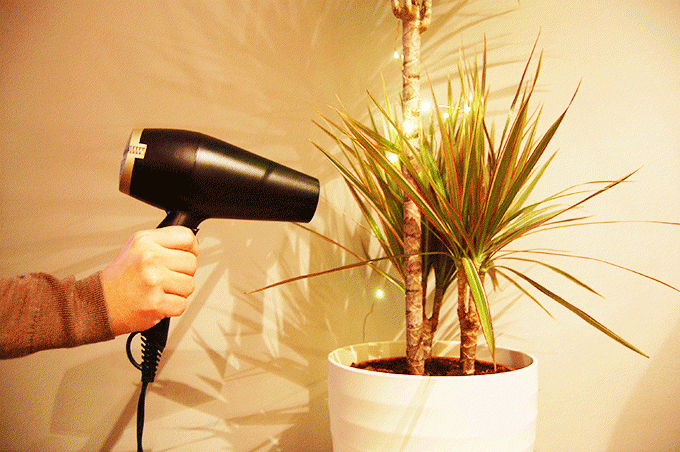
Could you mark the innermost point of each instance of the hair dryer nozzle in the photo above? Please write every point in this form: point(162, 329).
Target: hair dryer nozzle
point(203, 177)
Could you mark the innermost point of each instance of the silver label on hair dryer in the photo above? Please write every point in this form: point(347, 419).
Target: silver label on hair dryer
point(135, 150)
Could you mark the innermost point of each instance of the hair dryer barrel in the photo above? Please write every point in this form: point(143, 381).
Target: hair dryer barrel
point(203, 177)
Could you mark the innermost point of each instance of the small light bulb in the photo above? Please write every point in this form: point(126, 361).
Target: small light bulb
point(409, 126)
point(379, 294)
point(396, 55)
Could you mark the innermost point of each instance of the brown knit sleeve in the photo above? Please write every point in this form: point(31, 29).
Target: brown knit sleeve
point(39, 311)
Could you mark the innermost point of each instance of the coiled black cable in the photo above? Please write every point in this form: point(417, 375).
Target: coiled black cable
point(153, 344)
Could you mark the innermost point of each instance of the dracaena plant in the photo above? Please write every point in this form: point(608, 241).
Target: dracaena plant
point(474, 189)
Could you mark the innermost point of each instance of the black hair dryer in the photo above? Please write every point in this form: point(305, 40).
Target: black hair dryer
point(194, 177)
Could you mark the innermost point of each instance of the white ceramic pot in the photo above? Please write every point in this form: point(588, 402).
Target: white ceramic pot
point(374, 411)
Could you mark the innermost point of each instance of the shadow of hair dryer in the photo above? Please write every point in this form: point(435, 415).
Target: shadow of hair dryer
point(194, 177)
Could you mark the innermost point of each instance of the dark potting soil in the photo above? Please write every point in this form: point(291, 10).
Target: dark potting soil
point(438, 366)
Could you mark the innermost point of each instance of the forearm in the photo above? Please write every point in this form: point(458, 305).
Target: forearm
point(39, 311)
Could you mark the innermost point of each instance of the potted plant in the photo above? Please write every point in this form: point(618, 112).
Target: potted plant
point(447, 196)
point(474, 193)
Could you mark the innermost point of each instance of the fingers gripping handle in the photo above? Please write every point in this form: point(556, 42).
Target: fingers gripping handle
point(155, 338)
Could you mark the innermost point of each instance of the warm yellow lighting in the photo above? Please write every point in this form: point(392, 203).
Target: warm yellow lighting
point(379, 294)
point(410, 126)
point(392, 157)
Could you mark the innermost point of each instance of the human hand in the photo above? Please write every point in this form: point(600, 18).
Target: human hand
point(150, 279)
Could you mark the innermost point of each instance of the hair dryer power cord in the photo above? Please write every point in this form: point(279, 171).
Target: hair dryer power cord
point(153, 344)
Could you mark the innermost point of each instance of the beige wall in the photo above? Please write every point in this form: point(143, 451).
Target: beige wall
point(247, 373)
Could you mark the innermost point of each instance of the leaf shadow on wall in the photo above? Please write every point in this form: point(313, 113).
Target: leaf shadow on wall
point(317, 315)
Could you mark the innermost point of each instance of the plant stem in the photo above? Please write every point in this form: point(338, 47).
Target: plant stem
point(431, 323)
point(469, 324)
point(415, 18)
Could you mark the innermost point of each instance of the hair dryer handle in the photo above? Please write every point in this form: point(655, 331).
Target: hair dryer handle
point(153, 344)
point(155, 338)
point(176, 218)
